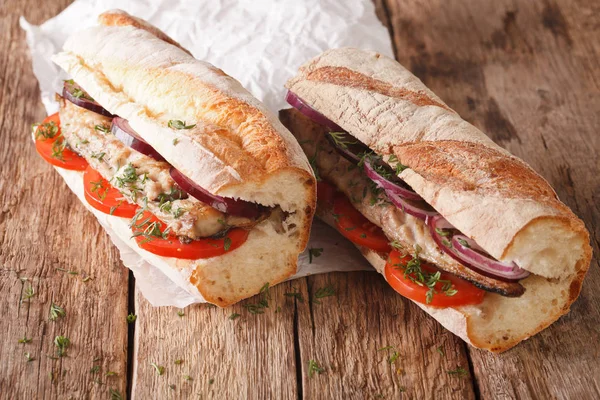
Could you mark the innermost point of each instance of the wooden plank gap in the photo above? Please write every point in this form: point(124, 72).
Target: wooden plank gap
point(130, 333)
point(297, 351)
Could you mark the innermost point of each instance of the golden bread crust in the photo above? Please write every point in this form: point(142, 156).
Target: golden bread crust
point(475, 184)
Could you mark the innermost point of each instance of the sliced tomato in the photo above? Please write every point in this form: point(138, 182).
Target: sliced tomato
point(448, 291)
point(101, 195)
point(51, 145)
point(149, 232)
point(325, 194)
point(355, 227)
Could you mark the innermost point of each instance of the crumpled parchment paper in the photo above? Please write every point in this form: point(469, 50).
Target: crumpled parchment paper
point(261, 43)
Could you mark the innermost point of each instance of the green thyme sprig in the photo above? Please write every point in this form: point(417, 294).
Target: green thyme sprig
point(178, 124)
point(56, 312)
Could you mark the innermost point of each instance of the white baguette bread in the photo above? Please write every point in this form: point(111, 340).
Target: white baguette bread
point(484, 191)
point(237, 148)
point(496, 324)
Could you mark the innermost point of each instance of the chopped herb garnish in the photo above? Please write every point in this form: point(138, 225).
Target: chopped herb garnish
point(181, 313)
point(313, 367)
point(414, 272)
point(442, 232)
point(394, 356)
point(211, 381)
point(159, 368)
point(179, 361)
point(459, 371)
point(131, 318)
point(323, 292)
point(129, 176)
point(297, 295)
point(24, 340)
point(62, 343)
point(114, 208)
point(78, 94)
point(102, 128)
point(56, 312)
point(47, 130)
point(313, 163)
point(314, 252)
point(28, 357)
point(175, 141)
point(58, 147)
point(234, 316)
point(110, 373)
point(363, 235)
point(350, 228)
point(96, 187)
point(263, 303)
point(440, 350)
point(115, 394)
point(341, 139)
point(179, 212)
point(464, 243)
point(28, 293)
point(178, 124)
point(187, 377)
point(95, 369)
point(98, 156)
point(66, 271)
point(227, 243)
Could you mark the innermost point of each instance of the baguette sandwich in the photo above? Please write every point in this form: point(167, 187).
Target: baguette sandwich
point(179, 161)
point(457, 224)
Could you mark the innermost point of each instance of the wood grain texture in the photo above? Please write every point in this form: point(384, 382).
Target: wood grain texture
point(373, 343)
point(41, 226)
point(527, 74)
point(251, 356)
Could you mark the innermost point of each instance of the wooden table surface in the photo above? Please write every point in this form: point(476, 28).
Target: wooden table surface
point(526, 72)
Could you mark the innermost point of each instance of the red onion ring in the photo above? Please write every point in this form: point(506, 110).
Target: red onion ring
point(76, 95)
point(310, 112)
point(419, 209)
point(398, 187)
point(239, 208)
point(472, 257)
point(122, 131)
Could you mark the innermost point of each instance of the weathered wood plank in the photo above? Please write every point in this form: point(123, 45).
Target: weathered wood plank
point(527, 74)
point(355, 334)
point(251, 356)
point(41, 225)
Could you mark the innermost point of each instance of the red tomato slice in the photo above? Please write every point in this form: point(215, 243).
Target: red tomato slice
point(170, 246)
point(465, 293)
point(356, 227)
point(104, 197)
point(325, 194)
point(50, 144)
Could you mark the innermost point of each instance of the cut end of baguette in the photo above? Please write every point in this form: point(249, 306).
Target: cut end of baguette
point(269, 256)
point(551, 247)
point(500, 323)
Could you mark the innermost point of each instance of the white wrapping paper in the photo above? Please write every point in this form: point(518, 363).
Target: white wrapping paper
point(261, 43)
